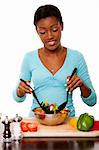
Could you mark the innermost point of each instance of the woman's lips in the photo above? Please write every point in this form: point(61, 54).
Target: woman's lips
point(51, 43)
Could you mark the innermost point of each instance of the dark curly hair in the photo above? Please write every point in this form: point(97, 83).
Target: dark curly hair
point(47, 11)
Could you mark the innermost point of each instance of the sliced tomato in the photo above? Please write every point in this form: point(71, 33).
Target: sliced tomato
point(32, 127)
point(23, 126)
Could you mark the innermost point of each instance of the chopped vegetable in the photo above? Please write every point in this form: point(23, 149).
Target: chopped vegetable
point(46, 103)
point(40, 113)
point(28, 126)
point(50, 107)
point(23, 127)
point(32, 127)
point(85, 122)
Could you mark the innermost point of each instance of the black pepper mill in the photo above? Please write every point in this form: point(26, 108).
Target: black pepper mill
point(7, 132)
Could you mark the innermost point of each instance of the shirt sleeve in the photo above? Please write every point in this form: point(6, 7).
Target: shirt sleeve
point(25, 74)
point(84, 75)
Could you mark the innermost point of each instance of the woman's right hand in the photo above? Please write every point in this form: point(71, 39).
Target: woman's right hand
point(23, 89)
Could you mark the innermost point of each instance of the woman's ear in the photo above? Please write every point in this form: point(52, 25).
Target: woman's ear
point(62, 26)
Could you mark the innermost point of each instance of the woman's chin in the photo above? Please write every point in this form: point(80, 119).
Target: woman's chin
point(51, 48)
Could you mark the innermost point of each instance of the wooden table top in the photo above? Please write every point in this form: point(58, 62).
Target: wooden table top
point(53, 144)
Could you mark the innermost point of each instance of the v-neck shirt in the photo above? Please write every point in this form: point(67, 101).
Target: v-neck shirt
point(53, 87)
point(44, 62)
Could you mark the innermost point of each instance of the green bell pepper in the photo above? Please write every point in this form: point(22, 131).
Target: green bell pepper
point(85, 122)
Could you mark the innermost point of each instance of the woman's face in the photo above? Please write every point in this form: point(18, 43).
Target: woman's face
point(49, 30)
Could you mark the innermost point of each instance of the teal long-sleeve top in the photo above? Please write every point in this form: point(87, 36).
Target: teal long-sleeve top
point(53, 87)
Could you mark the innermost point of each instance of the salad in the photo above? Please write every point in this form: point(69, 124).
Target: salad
point(51, 108)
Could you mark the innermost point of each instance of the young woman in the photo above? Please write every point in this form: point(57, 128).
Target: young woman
point(50, 67)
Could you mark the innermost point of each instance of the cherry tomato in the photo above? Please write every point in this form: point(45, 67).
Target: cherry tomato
point(32, 127)
point(23, 126)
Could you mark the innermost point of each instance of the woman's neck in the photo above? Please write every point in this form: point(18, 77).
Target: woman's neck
point(57, 51)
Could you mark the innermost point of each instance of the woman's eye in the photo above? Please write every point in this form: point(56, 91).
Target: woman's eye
point(42, 32)
point(54, 29)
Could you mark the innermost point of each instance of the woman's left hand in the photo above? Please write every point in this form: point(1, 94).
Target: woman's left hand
point(73, 83)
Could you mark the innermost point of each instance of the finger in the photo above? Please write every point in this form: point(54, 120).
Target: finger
point(71, 80)
point(73, 83)
point(77, 84)
point(28, 85)
point(68, 77)
point(28, 82)
point(24, 87)
point(20, 91)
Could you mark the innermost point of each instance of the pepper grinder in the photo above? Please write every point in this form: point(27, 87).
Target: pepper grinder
point(17, 134)
point(7, 132)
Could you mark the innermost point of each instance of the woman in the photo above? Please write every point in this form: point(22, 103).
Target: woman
point(50, 67)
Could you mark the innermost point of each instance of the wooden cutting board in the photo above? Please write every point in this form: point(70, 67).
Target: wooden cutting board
point(63, 130)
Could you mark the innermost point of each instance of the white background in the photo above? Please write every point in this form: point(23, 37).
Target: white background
point(18, 36)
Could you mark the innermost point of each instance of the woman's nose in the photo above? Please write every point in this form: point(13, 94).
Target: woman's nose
point(50, 35)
